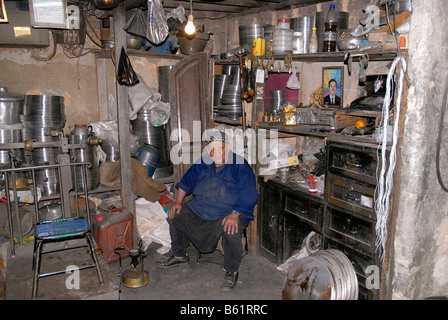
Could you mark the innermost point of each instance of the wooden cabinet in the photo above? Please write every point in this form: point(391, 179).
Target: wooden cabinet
point(285, 218)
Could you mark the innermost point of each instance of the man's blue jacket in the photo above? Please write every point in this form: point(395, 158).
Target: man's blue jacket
point(215, 195)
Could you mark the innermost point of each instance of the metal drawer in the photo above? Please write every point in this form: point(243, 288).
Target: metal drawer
point(354, 162)
point(352, 195)
point(350, 230)
point(306, 210)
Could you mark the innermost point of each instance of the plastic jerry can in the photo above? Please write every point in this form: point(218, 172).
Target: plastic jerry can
point(114, 229)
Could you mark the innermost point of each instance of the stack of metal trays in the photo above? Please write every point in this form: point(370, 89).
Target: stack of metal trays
point(155, 136)
point(231, 103)
point(11, 109)
point(43, 119)
point(248, 33)
point(221, 80)
point(304, 25)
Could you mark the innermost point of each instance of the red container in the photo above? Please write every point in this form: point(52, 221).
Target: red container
point(112, 230)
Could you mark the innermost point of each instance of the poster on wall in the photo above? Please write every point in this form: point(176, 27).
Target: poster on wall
point(332, 85)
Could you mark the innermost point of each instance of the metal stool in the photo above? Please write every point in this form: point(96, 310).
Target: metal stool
point(61, 230)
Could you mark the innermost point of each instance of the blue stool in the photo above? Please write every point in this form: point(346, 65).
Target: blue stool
point(61, 230)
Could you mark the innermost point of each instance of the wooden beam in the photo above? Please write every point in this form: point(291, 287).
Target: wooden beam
point(127, 197)
point(277, 6)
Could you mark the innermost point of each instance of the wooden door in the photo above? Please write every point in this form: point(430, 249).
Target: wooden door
point(190, 100)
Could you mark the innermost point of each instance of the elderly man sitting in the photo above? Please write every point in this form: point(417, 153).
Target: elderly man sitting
point(224, 194)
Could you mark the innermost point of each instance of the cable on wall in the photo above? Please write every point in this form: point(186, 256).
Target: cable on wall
point(385, 178)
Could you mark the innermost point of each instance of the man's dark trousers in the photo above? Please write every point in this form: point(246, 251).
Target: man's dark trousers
point(187, 227)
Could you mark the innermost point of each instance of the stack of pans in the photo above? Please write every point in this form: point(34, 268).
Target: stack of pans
point(11, 108)
point(248, 33)
point(221, 80)
point(155, 136)
point(304, 25)
point(231, 103)
point(42, 120)
point(81, 133)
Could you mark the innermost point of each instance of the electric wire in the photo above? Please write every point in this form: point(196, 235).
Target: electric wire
point(439, 138)
point(385, 178)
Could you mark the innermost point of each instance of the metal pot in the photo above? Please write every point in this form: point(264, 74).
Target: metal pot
point(11, 106)
point(192, 46)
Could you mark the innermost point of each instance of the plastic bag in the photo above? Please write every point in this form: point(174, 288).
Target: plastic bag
point(293, 81)
point(178, 13)
point(157, 28)
point(136, 24)
point(126, 74)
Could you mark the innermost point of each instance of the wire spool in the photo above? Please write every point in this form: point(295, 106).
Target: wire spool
point(325, 275)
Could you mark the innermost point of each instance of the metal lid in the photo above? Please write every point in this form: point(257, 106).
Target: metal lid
point(5, 95)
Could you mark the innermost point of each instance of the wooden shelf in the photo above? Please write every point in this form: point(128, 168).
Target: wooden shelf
point(374, 55)
point(312, 131)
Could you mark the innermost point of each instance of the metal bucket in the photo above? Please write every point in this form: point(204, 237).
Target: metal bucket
point(148, 155)
point(157, 137)
point(325, 275)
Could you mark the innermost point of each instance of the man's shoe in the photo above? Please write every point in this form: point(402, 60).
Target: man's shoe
point(229, 282)
point(172, 261)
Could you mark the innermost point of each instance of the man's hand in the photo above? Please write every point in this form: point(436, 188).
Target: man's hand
point(175, 208)
point(230, 223)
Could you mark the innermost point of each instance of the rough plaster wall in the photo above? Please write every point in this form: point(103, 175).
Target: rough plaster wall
point(421, 239)
point(75, 79)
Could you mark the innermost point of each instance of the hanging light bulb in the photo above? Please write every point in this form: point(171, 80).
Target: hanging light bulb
point(190, 29)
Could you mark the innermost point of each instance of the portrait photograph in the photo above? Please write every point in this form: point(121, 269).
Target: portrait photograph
point(332, 85)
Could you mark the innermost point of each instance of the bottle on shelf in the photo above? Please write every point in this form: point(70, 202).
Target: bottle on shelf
point(312, 47)
point(331, 32)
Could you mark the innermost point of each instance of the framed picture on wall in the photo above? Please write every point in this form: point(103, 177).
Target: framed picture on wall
point(333, 85)
point(3, 16)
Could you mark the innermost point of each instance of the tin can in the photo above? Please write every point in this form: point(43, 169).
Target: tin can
point(259, 47)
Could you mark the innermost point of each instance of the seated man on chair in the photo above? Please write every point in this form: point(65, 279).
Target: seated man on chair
point(224, 194)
